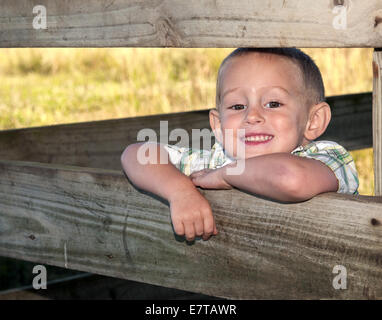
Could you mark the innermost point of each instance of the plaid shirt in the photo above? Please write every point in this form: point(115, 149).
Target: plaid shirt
point(189, 160)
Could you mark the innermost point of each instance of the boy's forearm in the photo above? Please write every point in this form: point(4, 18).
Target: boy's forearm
point(278, 176)
point(162, 179)
point(261, 176)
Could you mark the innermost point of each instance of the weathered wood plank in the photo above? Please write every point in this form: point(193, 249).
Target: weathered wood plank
point(193, 23)
point(377, 121)
point(93, 220)
point(99, 144)
point(346, 111)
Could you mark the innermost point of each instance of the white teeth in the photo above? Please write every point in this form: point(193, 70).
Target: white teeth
point(258, 138)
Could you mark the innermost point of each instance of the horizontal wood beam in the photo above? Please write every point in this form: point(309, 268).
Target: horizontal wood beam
point(348, 110)
point(192, 23)
point(93, 220)
point(99, 144)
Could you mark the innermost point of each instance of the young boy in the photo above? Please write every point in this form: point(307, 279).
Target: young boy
point(272, 102)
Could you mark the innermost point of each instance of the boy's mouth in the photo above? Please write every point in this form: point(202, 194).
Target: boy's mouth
point(253, 139)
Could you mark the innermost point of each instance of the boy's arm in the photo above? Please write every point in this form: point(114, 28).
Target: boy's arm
point(190, 212)
point(279, 176)
point(158, 177)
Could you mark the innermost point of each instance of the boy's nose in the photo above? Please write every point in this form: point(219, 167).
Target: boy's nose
point(254, 115)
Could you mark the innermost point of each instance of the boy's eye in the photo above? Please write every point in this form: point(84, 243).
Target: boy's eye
point(273, 104)
point(237, 107)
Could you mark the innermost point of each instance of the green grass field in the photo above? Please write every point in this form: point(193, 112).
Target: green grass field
point(52, 86)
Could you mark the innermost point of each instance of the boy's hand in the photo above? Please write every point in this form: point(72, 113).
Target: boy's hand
point(191, 215)
point(210, 179)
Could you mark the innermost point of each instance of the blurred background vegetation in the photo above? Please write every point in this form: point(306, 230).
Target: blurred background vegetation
point(51, 86)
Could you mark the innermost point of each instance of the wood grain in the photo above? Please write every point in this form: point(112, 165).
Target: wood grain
point(93, 220)
point(377, 121)
point(96, 144)
point(192, 23)
point(100, 144)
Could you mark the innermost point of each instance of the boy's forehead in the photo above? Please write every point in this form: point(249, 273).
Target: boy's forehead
point(262, 68)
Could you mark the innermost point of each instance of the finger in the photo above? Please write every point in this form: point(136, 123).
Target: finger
point(198, 225)
point(194, 174)
point(208, 226)
point(197, 174)
point(189, 231)
point(198, 181)
point(215, 230)
point(195, 181)
point(178, 227)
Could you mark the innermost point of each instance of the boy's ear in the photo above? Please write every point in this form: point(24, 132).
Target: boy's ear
point(319, 118)
point(215, 124)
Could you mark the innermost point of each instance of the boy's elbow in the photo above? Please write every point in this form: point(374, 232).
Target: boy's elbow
point(128, 152)
point(124, 154)
point(293, 185)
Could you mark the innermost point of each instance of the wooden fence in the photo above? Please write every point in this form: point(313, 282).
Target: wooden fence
point(99, 144)
point(65, 201)
point(193, 23)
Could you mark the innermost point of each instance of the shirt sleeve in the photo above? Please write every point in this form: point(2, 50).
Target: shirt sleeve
point(337, 159)
point(188, 160)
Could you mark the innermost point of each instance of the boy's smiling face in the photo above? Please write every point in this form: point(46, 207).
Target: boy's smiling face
point(263, 94)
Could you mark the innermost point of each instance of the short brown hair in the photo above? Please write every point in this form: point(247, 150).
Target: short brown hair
point(311, 74)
